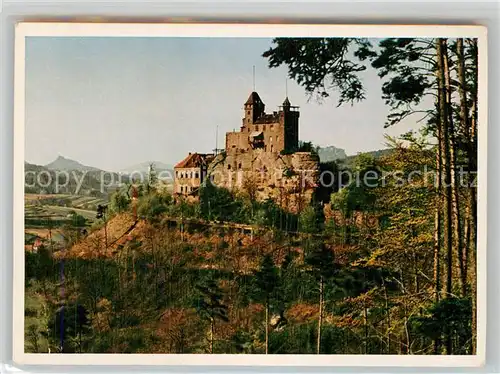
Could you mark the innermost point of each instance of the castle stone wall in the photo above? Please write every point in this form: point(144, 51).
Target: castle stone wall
point(290, 180)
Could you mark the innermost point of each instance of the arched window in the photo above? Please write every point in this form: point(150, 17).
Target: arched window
point(239, 165)
point(228, 167)
point(197, 175)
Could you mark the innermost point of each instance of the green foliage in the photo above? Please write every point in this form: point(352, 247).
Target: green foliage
point(264, 282)
point(152, 206)
point(307, 147)
point(70, 324)
point(407, 82)
point(359, 195)
point(120, 202)
point(319, 64)
point(209, 303)
point(218, 203)
point(321, 261)
point(311, 219)
point(448, 316)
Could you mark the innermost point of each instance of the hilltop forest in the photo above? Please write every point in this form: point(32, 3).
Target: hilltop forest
point(385, 267)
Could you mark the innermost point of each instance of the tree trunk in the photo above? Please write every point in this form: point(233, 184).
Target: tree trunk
point(464, 118)
point(473, 197)
point(105, 234)
point(388, 317)
point(438, 217)
point(405, 311)
point(457, 229)
point(437, 275)
point(267, 327)
point(365, 322)
point(212, 328)
point(443, 117)
point(320, 315)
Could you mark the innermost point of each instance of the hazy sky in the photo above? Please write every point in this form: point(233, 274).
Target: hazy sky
point(114, 102)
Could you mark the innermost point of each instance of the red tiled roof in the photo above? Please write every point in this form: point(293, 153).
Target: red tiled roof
point(194, 160)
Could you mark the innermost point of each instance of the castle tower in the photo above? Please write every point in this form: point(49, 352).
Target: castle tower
point(254, 108)
point(290, 118)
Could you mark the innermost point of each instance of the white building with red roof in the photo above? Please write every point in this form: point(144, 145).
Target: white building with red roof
point(190, 173)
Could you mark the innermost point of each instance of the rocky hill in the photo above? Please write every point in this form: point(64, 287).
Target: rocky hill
point(331, 153)
point(62, 163)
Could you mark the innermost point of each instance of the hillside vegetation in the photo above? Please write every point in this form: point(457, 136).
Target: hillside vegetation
point(239, 276)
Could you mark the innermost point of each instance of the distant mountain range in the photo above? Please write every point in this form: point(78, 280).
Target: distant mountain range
point(82, 179)
point(331, 153)
point(41, 179)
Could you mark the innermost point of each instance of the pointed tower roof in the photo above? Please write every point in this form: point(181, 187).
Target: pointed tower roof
point(254, 98)
point(286, 102)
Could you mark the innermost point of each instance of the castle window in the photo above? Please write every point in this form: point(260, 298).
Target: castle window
point(197, 175)
point(228, 167)
point(271, 148)
point(264, 128)
point(248, 112)
point(239, 165)
point(271, 139)
point(257, 128)
point(277, 138)
point(182, 189)
point(248, 120)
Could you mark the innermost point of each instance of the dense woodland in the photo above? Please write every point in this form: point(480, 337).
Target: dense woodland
point(393, 271)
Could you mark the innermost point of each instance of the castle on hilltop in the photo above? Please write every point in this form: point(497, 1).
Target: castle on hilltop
point(274, 132)
point(262, 159)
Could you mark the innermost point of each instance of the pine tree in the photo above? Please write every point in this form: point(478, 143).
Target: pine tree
point(265, 283)
point(322, 266)
point(209, 304)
